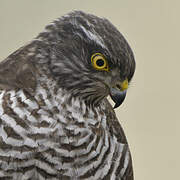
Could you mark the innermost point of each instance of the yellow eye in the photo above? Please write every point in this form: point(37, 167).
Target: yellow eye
point(99, 62)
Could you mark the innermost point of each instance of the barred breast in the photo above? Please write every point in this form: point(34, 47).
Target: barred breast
point(53, 136)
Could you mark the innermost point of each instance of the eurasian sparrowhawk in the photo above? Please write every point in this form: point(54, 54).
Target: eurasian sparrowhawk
point(55, 119)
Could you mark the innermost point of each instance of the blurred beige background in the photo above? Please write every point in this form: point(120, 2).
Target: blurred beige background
point(151, 112)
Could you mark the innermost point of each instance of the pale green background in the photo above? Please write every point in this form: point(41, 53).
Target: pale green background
point(151, 112)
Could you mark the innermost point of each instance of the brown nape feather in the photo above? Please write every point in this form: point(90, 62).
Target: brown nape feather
point(16, 72)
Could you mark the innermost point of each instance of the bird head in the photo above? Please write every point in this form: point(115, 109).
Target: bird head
point(89, 57)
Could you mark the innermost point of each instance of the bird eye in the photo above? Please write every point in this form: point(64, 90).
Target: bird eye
point(99, 62)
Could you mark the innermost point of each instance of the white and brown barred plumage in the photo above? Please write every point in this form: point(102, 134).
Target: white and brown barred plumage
point(55, 120)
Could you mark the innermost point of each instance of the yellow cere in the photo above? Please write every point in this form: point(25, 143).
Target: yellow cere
point(124, 85)
point(99, 62)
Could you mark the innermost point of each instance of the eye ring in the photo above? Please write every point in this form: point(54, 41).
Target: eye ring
point(99, 62)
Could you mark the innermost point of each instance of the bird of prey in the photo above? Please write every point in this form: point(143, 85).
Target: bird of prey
point(55, 119)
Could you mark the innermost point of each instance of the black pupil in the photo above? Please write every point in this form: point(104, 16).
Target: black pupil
point(100, 62)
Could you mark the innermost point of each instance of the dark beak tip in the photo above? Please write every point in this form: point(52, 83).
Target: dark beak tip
point(117, 96)
point(116, 106)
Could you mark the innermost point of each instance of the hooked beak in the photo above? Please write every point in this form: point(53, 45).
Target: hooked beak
point(118, 93)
